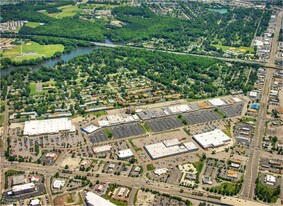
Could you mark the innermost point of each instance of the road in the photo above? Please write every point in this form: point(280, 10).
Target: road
point(253, 162)
point(3, 139)
point(137, 183)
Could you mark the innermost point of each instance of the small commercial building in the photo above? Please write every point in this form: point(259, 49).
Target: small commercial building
point(100, 149)
point(35, 202)
point(160, 171)
point(232, 174)
point(58, 184)
point(22, 189)
point(253, 94)
point(270, 179)
point(255, 106)
point(89, 129)
point(123, 154)
point(212, 139)
point(217, 102)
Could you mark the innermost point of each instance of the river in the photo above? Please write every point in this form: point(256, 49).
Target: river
point(51, 62)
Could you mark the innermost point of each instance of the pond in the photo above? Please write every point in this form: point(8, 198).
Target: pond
point(220, 11)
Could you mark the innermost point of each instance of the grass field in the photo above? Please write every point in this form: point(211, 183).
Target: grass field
point(32, 50)
point(227, 188)
point(236, 49)
point(1, 119)
point(198, 165)
point(150, 167)
point(98, 113)
point(33, 91)
point(32, 24)
point(68, 10)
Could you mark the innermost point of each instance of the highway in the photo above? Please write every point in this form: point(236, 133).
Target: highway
point(3, 139)
point(253, 162)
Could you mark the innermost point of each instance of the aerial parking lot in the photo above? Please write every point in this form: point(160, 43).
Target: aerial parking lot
point(164, 124)
point(201, 116)
point(232, 110)
point(127, 130)
point(99, 136)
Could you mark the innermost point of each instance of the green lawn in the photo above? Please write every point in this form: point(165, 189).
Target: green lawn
point(227, 188)
point(248, 119)
point(32, 50)
point(267, 194)
point(227, 130)
point(68, 10)
point(236, 49)
point(33, 91)
point(1, 119)
point(98, 113)
point(32, 24)
point(150, 167)
point(198, 165)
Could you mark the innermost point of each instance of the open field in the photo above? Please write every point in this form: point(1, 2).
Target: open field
point(68, 10)
point(32, 24)
point(32, 50)
point(33, 91)
point(235, 49)
point(1, 118)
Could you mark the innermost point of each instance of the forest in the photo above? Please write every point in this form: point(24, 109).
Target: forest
point(233, 28)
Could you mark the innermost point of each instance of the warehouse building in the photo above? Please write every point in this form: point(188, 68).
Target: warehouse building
point(22, 189)
point(212, 139)
point(169, 148)
point(48, 126)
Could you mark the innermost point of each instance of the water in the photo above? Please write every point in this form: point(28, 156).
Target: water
point(108, 41)
point(220, 11)
point(52, 62)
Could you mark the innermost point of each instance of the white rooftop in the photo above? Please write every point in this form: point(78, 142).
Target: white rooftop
point(34, 202)
point(103, 123)
point(125, 153)
point(160, 171)
point(36, 127)
point(23, 187)
point(90, 128)
point(179, 108)
point(58, 183)
point(168, 148)
point(190, 146)
point(215, 138)
point(236, 99)
point(253, 94)
point(103, 148)
point(270, 178)
point(95, 200)
point(217, 102)
point(171, 142)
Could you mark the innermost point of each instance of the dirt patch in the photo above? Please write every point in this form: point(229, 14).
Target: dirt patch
point(71, 162)
point(69, 199)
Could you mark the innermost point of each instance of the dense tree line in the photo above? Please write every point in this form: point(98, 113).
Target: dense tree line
point(233, 28)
